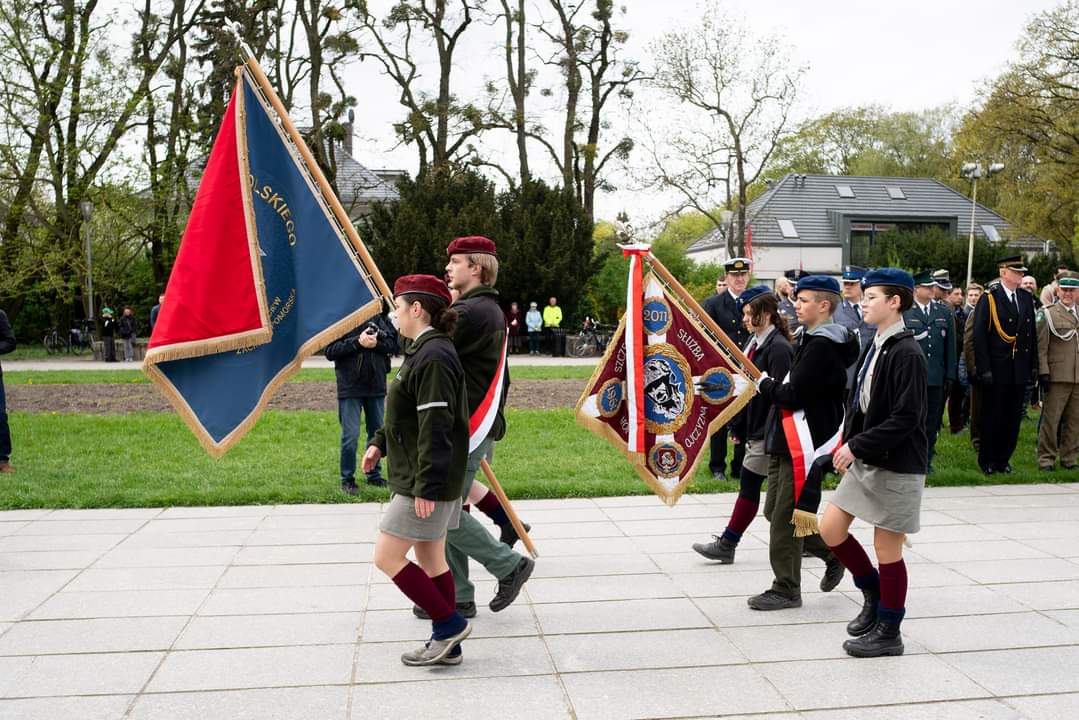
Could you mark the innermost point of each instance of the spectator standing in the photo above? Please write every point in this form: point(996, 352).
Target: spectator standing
point(361, 361)
point(155, 310)
point(514, 326)
point(1049, 293)
point(128, 333)
point(959, 394)
point(1058, 374)
point(7, 344)
point(534, 323)
point(784, 288)
point(552, 324)
point(108, 335)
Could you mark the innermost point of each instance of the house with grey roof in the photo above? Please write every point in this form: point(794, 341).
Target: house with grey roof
point(819, 223)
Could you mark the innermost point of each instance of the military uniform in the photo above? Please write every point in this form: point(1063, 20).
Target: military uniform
point(1058, 368)
point(725, 310)
point(934, 331)
point(1005, 359)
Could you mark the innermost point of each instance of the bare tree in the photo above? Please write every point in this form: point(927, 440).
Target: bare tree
point(732, 87)
point(437, 123)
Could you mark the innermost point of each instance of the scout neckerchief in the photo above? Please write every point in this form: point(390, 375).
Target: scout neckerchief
point(479, 425)
point(994, 320)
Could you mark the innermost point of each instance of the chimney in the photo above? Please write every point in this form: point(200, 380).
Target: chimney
point(347, 127)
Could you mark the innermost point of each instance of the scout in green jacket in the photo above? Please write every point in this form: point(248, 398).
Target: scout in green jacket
point(934, 330)
point(425, 439)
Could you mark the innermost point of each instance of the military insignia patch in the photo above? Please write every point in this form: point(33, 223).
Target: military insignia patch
point(716, 385)
point(656, 315)
point(610, 397)
point(668, 389)
point(667, 459)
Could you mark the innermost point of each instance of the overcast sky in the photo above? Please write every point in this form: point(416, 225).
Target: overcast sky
point(906, 55)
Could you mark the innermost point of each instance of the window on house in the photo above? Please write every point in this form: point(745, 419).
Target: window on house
point(991, 233)
point(896, 193)
point(787, 228)
point(844, 191)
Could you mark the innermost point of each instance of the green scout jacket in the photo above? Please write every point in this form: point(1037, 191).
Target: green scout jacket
point(478, 337)
point(425, 432)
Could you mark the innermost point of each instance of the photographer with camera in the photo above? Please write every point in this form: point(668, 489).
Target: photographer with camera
point(361, 360)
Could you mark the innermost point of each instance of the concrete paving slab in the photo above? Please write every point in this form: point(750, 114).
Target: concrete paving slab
point(619, 616)
point(48, 560)
point(642, 650)
point(232, 631)
point(267, 576)
point(777, 643)
point(58, 543)
point(123, 557)
point(127, 603)
point(83, 674)
point(57, 637)
point(269, 601)
point(302, 703)
point(253, 668)
point(484, 657)
point(401, 626)
point(86, 707)
point(990, 632)
point(1021, 672)
point(1047, 707)
point(538, 697)
point(1062, 595)
point(304, 555)
point(952, 710)
point(152, 578)
point(607, 587)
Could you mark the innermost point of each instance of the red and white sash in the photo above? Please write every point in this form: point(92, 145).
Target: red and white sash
point(800, 444)
point(479, 425)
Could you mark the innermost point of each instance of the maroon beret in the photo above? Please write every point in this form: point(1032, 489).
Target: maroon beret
point(472, 244)
point(422, 285)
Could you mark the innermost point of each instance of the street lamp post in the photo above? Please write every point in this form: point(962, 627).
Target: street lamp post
point(87, 209)
point(973, 171)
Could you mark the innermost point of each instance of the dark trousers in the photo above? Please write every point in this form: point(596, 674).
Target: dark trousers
point(934, 413)
point(717, 460)
point(958, 406)
point(533, 341)
point(975, 416)
point(5, 432)
point(109, 346)
point(784, 549)
point(1001, 415)
point(348, 412)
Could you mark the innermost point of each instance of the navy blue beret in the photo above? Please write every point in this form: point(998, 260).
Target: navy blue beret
point(817, 282)
point(754, 292)
point(888, 276)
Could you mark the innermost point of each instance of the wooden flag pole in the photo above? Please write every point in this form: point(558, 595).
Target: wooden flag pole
point(496, 487)
point(705, 318)
point(316, 173)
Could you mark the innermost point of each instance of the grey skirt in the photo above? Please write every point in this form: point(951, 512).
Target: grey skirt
point(880, 497)
point(755, 459)
point(400, 519)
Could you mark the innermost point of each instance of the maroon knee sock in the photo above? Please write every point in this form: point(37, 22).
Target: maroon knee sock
point(851, 553)
point(489, 506)
point(742, 515)
point(893, 585)
point(420, 589)
point(444, 583)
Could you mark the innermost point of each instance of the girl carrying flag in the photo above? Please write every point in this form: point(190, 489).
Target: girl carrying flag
point(883, 461)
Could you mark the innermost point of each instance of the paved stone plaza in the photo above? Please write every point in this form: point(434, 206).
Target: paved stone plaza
point(276, 612)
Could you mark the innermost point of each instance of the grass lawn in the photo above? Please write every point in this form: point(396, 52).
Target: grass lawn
point(134, 375)
point(24, 351)
point(152, 460)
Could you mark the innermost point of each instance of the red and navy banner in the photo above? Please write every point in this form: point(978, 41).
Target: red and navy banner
point(690, 386)
point(264, 277)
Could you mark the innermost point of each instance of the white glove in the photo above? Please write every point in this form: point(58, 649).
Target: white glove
point(764, 376)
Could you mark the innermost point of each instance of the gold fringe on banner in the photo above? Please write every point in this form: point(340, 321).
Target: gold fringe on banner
point(805, 523)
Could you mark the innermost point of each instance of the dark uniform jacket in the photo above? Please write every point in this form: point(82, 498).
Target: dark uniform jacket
point(786, 309)
point(727, 313)
point(773, 357)
point(425, 434)
point(818, 376)
point(937, 338)
point(361, 372)
point(7, 338)
point(481, 329)
point(891, 432)
point(847, 316)
point(993, 358)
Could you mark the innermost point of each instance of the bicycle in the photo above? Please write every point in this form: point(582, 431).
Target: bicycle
point(81, 338)
point(591, 341)
point(54, 342)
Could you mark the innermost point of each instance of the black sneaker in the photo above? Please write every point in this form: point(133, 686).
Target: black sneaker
point(720, 549)
point(509, 534)
point(467, 609)
point(348, 486)
point(376, 481)
point(510, 586)
point(771, 600)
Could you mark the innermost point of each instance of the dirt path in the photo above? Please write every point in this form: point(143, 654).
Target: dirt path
point(120, 399)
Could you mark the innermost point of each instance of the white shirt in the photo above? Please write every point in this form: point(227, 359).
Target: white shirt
point(878, 342)
point(923, 308)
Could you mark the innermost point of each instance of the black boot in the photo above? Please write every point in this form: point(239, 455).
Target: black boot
point(883, 639)
point(508, 533)
point(720, 549)
point(867, 618)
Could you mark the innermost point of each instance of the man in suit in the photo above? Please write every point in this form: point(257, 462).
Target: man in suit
point(934, 330)
point(1005, 359)
point(849, 312)
point(1058, 374)
point(723, 307)
point(784, 290)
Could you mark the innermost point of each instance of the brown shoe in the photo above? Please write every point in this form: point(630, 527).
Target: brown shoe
point(5, 467)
